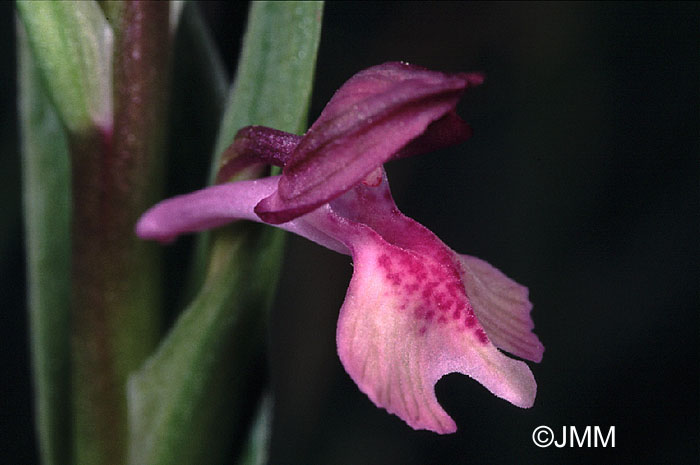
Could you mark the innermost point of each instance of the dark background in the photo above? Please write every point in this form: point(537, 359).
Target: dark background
point(581, 182)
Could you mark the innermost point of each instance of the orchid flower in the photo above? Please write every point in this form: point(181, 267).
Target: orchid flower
point(415, 310)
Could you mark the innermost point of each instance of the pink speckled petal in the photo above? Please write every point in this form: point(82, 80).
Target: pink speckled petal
point(219, 205)
point(405, 323)
point(370, 119)
point(503, 308)
point(407, 320)
point(501, 305)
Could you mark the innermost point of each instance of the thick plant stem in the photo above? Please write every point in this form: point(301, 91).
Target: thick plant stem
point(116, 295)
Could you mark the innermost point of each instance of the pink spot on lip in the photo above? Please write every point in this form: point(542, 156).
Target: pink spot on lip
point(411, 288)
point(470, 320)
point(453, 289)
point(395, 278)
point(442, 301)
point(384, 261)
point(432, 290)
point(419, 312)
point(483, 338)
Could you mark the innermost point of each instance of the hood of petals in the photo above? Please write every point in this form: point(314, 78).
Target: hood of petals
point(371, 119)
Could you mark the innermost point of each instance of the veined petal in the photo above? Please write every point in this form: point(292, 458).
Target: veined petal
point(381, 78)
point(405, 323)
point(503, 308)
point(369, 120)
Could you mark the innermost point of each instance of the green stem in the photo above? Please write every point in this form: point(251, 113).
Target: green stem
point(116, 288)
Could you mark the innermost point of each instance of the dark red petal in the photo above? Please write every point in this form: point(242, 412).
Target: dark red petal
point(447, 131)
point(256, 145)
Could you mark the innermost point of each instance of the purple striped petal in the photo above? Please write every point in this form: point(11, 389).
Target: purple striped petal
point(255, 146)
point(370, 119)
point(503, 308)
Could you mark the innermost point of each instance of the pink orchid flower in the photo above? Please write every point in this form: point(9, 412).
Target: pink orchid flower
point(415, 310)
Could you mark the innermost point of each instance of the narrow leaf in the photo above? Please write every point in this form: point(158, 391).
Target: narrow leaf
point(257, 448)
point(192, 399)
point(273, 81)
point(187, 404)
point(275, 73)
point(47, 210)
point(72, 46)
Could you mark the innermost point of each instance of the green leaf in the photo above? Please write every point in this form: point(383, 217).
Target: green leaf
point(257, 448)
point(72, 47)
point(192, 400)
point(47, 211)
point(187, 404)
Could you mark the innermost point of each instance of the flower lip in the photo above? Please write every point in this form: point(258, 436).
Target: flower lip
point(415, 311)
